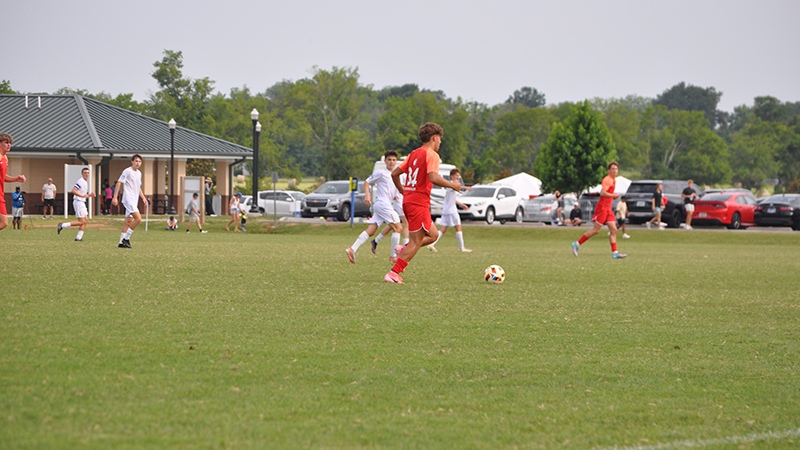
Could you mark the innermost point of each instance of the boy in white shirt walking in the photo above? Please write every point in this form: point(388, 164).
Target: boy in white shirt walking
point(131, 180)
point(81, 193)
point(450, 217)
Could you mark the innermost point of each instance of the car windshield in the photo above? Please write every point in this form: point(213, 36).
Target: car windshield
point(716, 197)
point(639, 188)
point(481, 192)
point(298, 195)
point(781, 199)
point(333, 188)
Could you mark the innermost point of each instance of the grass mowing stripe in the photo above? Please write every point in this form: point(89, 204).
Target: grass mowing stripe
point(770, 435)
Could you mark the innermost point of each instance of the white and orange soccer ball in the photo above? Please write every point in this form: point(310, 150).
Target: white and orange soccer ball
point(494, 274)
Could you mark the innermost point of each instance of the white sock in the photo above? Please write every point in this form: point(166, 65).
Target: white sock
point(460, 239)
point(129, 233)
point(395, 241)
point(379, 238)
point(121, 237)
point(66, 225)
point(405, 241)
point(437, 238)
point(361, 239)
point(80, 235)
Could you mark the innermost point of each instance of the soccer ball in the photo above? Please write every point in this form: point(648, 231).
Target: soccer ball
point(494, 274)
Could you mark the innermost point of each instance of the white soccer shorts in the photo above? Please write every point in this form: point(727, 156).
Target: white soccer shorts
point(450, 220)
point(384, 214)
point(80, 209)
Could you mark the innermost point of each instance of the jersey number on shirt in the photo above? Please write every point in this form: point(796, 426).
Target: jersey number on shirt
point(412, 176)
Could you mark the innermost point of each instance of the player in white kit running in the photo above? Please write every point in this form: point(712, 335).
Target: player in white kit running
point(131, 180)
point(383, 212)
point(81, 193)
point(450, 217)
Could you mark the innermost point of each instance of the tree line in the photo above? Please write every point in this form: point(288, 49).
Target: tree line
point(331, 124)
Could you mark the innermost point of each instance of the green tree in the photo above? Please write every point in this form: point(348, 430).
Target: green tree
point(789, 157)
point(623, 118)
point(754, 152)
point(528, 97)
point(576, 152)
point(520, 135)
point(330, 103)
point(683, 146)
point(182, 98)
point(685, 97)
point(5, 87)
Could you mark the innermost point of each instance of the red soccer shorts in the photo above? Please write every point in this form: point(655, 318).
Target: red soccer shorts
point(3, 207)
point(603, 216)
point(418, 217)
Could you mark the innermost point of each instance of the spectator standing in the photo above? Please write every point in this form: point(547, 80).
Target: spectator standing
point(108, 193)
point(48, 198)
point(657, 207)
point(559, 207)
point(17, 203)
point(234, 206)
point(689, 195)
point(5, 147)
point(623, 215)
point(209, 202)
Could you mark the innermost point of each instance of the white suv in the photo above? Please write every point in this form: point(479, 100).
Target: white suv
point(490, 202)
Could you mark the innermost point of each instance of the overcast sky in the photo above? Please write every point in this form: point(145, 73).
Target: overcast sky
point(476, 50)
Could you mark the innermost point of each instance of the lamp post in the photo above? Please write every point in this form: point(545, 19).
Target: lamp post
point(256, 134)
point(170, 198)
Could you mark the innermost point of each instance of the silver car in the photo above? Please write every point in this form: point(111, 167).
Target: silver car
point(543, 208)
point(286, 203)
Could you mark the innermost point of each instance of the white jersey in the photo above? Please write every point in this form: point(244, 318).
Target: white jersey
point(131, 184)
point(449, 206)
point(83, 189)
point(384, 186)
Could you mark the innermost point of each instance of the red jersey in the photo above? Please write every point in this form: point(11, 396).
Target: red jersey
point(417, 166)
point(3, 171)
point(609, 184)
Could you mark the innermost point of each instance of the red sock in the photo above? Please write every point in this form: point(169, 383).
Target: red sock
point(399, 266)
point(582, 240)
point(614, 247)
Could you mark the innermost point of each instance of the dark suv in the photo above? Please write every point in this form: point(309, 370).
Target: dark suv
point(332, 199)
point(640, 201)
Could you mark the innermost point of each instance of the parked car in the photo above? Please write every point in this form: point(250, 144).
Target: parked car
point(747, 192)
point(286, 203)
point(543, 208)
point(332, 199)
point(246, 202)
point(490, 202)
point(733, 209)
point(781, 210)
point(640, 201)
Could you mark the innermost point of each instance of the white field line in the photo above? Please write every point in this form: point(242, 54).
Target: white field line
point(714, 441)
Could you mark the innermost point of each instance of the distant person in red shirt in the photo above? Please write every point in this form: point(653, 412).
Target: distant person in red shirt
point(603, 214)
point(422, 172)
point(5, 147)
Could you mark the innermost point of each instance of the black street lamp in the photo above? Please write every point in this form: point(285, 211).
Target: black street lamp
point(256, 135)
point(171, 199)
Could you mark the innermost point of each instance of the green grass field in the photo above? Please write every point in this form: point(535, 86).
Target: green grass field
point(272, 339)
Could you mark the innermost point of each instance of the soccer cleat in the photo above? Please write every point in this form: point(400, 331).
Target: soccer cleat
point(44, 218)
point(618, 255)
point(127, 243)
point(187, 231)
point(392, 259)
point(203, 231)
point(392, 277)
point(466, 250)
point(60, 228)
point(399, 249)
point(374, 246)
point(625, 236)
point(79, 240)
point(350, 254)
point(121, 245)
point(432, 248)
point(575, 247)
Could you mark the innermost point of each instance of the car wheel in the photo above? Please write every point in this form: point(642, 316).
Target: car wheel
point(502, 221)
point(675, 220)
point(261, 210)
point(736, 222)
point(519, 215)
point(490, 215)
point(344, 212)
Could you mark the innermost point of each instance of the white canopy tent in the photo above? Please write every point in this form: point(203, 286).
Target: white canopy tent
point(526, 185)
point(621, 188)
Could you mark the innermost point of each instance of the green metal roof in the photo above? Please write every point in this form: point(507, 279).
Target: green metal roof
point(73, 123)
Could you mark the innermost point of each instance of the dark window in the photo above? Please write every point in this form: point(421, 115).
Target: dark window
point(717, 197)
point(642, 188)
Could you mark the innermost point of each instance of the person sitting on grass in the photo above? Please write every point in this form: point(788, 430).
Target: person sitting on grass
point(172, 223)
